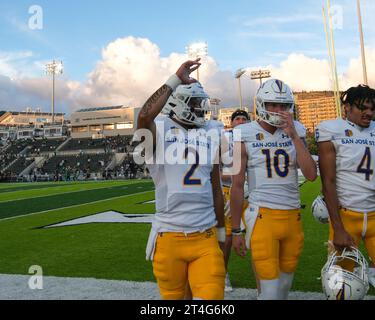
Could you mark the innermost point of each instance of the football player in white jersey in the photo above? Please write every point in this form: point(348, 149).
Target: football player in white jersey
point(347, 164)
point(271, 150)
point(237, 118)
point(183, 243)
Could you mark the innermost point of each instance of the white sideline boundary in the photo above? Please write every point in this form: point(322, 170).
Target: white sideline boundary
point(15, 287)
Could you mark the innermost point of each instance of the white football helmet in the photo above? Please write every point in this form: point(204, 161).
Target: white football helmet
point(274, 91)
point(188, 104)
point(341, 284)
point(319, 210)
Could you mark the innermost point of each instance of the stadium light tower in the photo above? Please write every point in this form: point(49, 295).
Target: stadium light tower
point(197, 50)
point(239, 73)
point(260, 74)
point(54, 68)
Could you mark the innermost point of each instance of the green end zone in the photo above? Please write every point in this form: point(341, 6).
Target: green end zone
point(113, 251)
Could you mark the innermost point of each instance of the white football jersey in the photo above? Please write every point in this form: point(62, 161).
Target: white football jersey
point(355, 162)
point(227, 163)
point(184, 199)
point(271, 167)
point(227, 157)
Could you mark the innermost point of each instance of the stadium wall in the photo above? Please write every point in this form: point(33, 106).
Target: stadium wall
point(104, 122)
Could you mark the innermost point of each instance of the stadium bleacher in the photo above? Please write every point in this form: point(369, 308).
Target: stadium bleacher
point(45, 145)
point(93, 163)
point(16, 147)
point(84, 144)
point(77, 159)
point(21, 164)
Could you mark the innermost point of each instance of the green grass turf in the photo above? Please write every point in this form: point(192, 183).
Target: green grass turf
point(49, 202)
point(4, 188)
point(117, 251)
point(33, 192)
point(105, 251)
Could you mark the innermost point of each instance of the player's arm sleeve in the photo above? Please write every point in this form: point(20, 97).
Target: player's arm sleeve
point(151, 153)
point(324, 132)
point(301, 130)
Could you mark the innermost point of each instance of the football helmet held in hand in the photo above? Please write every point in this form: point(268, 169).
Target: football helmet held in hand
point(345, 275)
point(319, 210)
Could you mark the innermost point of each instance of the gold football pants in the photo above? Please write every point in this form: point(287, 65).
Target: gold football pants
point(276, 242)
point(196, 258)
point(356, 224)
point(228, 218)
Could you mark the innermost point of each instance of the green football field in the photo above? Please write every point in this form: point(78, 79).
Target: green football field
point(113, 250)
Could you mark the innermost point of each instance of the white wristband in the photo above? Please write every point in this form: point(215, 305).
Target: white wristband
point(173, 82)
point(221, 234)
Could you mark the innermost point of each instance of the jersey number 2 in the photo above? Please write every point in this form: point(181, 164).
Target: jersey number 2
point(188, 180)
point(365, 165)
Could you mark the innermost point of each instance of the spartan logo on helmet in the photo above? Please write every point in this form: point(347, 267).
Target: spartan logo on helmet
point(345, 275)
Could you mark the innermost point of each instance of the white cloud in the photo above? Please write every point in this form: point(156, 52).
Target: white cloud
point(354, 75)
point(131, 69)
point(13, 64)
point(303, 73)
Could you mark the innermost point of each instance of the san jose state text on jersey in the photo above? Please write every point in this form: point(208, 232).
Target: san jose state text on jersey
point(185, 186)
point(355, 162)
point(272, 166)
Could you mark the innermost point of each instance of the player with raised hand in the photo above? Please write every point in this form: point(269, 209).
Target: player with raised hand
point(183, 243)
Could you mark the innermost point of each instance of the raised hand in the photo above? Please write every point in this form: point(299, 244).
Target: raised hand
point(186, 69)
point(288, 124)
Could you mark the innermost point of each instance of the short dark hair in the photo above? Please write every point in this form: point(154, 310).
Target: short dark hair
point(360, 93)
point(240, 112)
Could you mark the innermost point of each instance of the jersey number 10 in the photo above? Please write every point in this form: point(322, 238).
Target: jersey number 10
point(281, 172)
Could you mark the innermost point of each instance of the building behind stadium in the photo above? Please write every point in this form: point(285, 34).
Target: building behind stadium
point(314, 107)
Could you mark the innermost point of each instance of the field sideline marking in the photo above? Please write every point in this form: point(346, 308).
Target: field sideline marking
point(76, 205)
point(54, 194)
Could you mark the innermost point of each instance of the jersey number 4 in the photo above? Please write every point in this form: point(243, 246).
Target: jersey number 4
point(365, 165)
point(281, 172)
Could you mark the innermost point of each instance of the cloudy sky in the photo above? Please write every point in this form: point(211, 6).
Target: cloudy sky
point(120, 51)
